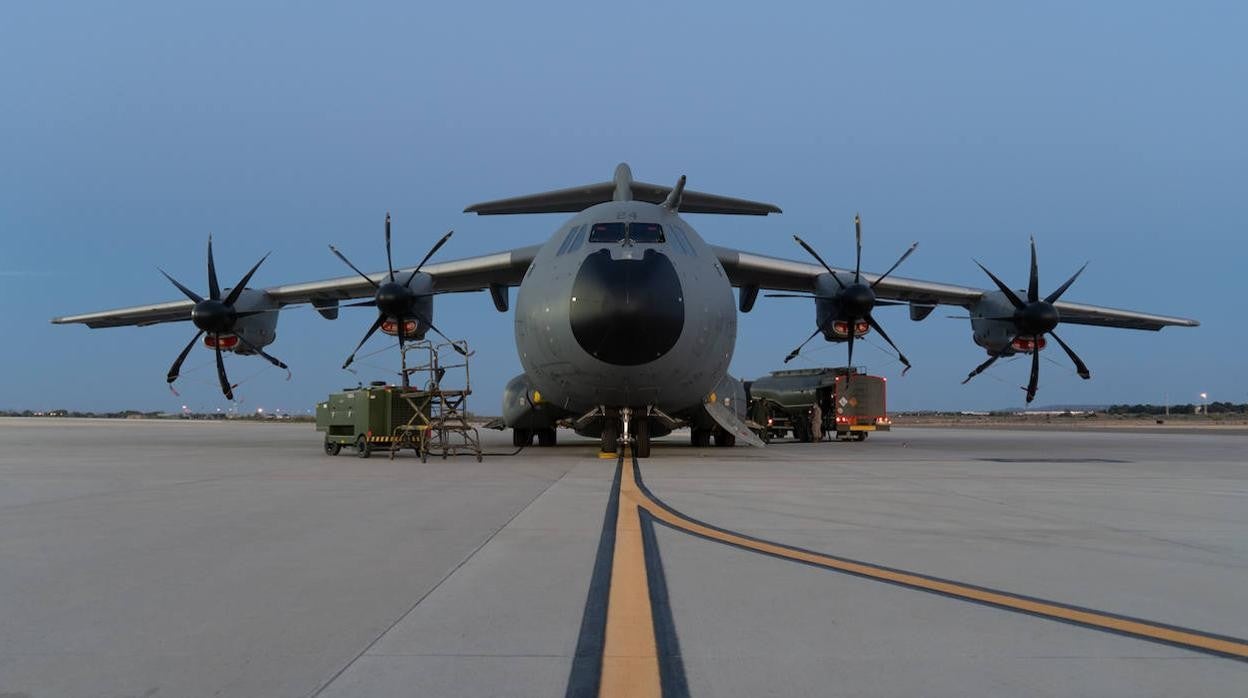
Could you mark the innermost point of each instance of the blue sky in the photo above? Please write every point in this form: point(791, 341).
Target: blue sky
point(1113, 132)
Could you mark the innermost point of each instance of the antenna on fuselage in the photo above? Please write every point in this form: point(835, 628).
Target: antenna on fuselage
point(672, 202)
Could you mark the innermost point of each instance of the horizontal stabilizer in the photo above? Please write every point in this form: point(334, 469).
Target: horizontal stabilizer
point(576, 199)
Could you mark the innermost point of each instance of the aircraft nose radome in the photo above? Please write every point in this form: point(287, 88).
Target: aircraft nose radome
point(627, 312)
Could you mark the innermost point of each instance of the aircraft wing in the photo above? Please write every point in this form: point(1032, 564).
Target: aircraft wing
point(505, 268)
point(749, 269)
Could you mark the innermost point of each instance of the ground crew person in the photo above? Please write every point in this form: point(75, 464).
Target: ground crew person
point(816, 423)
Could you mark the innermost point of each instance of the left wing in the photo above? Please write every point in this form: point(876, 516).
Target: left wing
point(749, 269)
point(470, 274)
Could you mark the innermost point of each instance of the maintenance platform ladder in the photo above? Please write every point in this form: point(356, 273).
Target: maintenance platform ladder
point(439, 425)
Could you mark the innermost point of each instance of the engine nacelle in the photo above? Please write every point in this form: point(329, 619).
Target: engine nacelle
point(260, 329)
point(995, 336)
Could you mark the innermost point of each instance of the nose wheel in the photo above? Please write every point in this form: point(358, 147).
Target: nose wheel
point(626, 430)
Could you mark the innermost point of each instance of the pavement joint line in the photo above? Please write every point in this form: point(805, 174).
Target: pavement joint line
point(1186, 638)
point(329, 682)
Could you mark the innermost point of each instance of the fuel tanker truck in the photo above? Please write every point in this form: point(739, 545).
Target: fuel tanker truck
point(851, 403)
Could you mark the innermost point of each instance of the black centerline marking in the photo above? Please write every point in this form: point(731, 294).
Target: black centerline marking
point(671, 663)
point(586, 674)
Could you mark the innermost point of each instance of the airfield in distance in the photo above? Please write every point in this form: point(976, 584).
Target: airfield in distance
point(151, 558)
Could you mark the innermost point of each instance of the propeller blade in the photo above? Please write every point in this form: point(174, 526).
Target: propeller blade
point(225, 381)
point(371, 331)
point(238, 288)
point(176, 368)
point(214, 289)
point(1052, 297)
point(399, 333)
point(895, 265)
point(858, 260)
point(262, 353)
point(799, 295)
point(389, 261)
point(981, 368)
point(188, 292)
point(793, 354)
point(1014, 299)
point(437, 246)
point(1033, 281)
point(1080, 367)
point(1034, 381)
point(900, 356)
point(850, 361)
point(454, 345)
point(353, 267)
point(814, 254)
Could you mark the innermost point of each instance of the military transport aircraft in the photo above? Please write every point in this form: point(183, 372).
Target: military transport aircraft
point(625, 318)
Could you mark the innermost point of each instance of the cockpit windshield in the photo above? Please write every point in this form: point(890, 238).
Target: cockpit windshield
point(607, 232)
point(646, 233)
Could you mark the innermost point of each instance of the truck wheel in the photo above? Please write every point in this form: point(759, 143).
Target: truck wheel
point(700, 438)
point(521, 438)
point(725, 440)
point(363, 449)
point(546, 437)
point(332, 448)
point(860, 436)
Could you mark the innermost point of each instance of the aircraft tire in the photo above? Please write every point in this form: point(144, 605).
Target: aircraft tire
point(725, 440)
point(700, 438)
point(641, 445)
point(521, 437)
point(546, 437)
point(610, 436)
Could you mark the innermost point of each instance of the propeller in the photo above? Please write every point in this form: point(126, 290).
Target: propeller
point(393, 299)
point(1034, 317)
point(216, 316)
point(855, 301)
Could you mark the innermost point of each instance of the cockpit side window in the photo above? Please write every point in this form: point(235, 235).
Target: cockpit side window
point(580, 237)
point(607, 232)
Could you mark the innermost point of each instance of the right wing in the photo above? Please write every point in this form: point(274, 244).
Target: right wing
point(749, 269)
point(470, 274)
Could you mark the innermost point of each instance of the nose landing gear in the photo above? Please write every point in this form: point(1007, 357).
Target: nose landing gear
point(624, 430)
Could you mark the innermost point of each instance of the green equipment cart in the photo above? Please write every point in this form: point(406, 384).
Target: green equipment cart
point(378, 416)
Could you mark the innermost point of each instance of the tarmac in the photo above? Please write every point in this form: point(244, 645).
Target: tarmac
point(171, 558)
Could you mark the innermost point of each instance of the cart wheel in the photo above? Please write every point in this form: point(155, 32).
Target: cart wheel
point(332, 448)
point(363, 449)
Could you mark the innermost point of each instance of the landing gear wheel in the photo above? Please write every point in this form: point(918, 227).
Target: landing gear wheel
point(332, 448)
point(700, 438)
point(641, 435)
point(521, 437)
point(723, 439)
point(610, 436)
point(546, 437)
point(363, 449)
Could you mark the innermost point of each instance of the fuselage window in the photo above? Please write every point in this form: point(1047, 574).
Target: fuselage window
point(607, 232)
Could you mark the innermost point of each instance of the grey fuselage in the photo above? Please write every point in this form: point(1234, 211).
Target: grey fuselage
point(625, 324)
